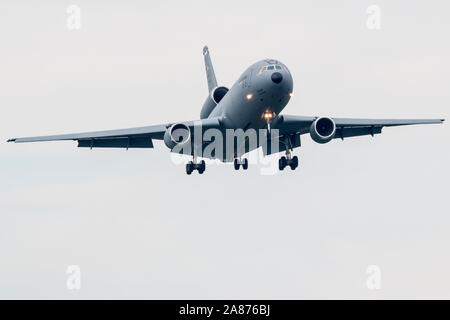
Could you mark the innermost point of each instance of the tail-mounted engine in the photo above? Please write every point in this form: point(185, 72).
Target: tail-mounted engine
point(211, 102)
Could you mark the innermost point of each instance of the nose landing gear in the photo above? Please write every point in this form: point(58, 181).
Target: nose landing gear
point(237, 163)
point(288, 160)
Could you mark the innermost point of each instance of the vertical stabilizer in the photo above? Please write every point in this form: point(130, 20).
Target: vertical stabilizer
point(210, 75)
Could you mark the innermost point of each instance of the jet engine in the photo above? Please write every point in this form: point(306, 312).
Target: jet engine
point(322, 130)
point(177, 134)
point(211, 102)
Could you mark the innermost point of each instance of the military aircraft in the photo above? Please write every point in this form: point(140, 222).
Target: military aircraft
point(254, 102)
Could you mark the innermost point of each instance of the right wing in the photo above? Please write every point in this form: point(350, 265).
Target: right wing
point(140, 137)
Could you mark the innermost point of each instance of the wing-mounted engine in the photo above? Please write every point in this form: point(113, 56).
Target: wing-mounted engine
point(212, 101)
point(322, 130)
point(177, 134)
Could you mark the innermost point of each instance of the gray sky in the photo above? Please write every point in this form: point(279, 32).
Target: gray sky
point(138, 227)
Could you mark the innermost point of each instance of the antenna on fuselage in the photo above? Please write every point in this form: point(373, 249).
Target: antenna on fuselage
point(210, 75)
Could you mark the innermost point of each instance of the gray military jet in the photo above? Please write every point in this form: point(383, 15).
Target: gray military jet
point(254, 103)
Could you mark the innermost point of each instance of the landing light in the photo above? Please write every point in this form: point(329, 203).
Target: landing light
point(268, 115)
point(249, 96)
point(291, 94)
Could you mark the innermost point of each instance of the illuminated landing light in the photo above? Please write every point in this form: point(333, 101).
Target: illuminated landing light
point(291, 94)
point(249, 96)
point(268, 115)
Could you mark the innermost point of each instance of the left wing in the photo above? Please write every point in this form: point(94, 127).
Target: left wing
point(345, 127)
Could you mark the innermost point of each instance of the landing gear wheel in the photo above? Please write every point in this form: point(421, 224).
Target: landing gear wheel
point(189, 167)
point(282, 163)
point(236, 164)
point(245, 164)
point(294, 163)
point(201, 167)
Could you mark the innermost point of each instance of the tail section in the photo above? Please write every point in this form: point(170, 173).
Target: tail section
point(210, 75)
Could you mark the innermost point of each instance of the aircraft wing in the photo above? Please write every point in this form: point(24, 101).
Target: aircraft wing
point(140, 137)
point(345, 127)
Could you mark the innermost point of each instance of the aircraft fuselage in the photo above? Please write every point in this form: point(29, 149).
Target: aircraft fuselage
point(264, 88)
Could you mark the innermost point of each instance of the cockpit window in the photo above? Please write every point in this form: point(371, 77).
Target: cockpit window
point(270, 67)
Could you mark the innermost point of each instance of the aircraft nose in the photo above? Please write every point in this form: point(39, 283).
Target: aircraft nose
point(277, 77)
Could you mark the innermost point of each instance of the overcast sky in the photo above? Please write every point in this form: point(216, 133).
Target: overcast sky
point(139, 227)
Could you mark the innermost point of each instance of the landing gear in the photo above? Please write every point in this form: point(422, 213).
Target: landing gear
point(245, 164)
point(194, 165)
point(237, 163)
point(288, 161)
point(282, 163)
point(201, 167)
point(189, 167)
point(294, 163)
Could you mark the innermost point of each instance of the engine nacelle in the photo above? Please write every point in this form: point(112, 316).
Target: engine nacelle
point(177, 134)
point(211, 102)
point(323, 130)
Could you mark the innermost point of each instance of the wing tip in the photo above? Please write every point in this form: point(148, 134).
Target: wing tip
point(11, 140)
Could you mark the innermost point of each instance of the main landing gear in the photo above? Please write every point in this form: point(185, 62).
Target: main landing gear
point(288, 161)
point(238, 163)
point(194, 165)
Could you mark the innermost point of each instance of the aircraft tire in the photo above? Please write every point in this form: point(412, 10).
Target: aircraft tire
point(282, 163)
point(245, 164)
point(294, 163)
point(236, 164)
point(202, 167)
point(189, 168)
